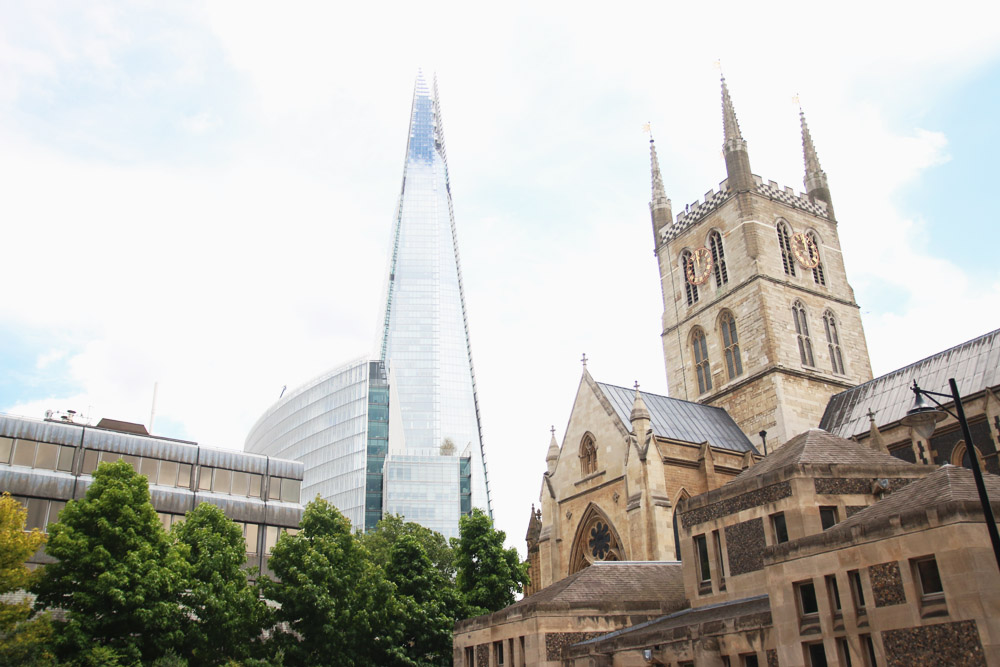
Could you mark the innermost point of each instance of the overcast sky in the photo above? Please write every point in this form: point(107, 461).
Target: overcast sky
point(201, 194)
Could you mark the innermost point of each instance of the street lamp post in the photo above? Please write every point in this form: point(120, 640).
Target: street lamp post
point(923, 418)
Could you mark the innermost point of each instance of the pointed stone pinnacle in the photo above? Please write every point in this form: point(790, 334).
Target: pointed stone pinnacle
point(808, 149)
point(730, 126)
point(659, 194)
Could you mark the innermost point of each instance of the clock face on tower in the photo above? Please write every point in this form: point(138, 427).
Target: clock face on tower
point(805, 250)
point(698, 266)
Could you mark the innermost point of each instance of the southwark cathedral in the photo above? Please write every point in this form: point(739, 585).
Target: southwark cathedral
point(778, 508)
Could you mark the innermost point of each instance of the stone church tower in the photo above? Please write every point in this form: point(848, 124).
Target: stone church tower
point(758, 315)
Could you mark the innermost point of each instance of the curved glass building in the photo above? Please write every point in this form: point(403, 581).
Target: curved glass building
point(400, 434)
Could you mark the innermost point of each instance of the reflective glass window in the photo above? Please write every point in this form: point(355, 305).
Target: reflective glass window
point(184, 475)
point(168, 473)
point(205, 479)
point(241, 482)
point(290, 490)
point(24, 452)
point(55, 506)
point(90, 458)
point(132, 461)
point(37, 509)
point(251, 538)
point(223, 481)
point(274, 489)
point(147, 468)
point(270, 538)
point(6, 445)
point(66, 459)
point(255, 481)
point(47, 456)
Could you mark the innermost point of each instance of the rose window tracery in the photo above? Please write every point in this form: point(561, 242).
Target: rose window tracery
point(600, 540)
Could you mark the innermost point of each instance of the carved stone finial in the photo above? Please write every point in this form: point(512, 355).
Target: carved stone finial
point(583, 359)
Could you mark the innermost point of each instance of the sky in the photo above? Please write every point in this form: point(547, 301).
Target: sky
point(200, 195)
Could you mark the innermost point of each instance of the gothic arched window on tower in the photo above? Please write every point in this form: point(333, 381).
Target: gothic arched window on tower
point(785, 242)
point(731, 344)
point(588, 456)
point(833, 342)
point(818, 276)
point(802, 331)
point(718, 258)
point(690, 291)
point(701, 366)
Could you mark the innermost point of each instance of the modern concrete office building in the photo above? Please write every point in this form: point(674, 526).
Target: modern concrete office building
point(399, 433)
point(45, 463)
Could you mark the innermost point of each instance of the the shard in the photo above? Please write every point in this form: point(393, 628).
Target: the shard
point(425, 333)
point(399, 433)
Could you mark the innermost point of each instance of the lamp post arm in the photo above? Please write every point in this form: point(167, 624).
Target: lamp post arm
point(977, 473)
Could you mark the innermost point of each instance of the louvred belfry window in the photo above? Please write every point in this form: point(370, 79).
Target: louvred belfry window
point(690, 291)
point(718, 258)
point(802, 332)
point(833, 343)
point(731, 344)
point(701, 364)
point(818, 276)
point(785, 242)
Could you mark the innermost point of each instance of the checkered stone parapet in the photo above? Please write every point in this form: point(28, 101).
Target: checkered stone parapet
point(787, 196)
point(696, 211)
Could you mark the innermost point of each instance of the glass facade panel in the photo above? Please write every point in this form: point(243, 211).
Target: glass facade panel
point(250, 535)
point(241, 483)
point(223, 481)
point(323, 424)
point(184, 475)
point(424, 489)
point(148, 468)
point(90, 458)
point(47, 456)
point(66, 459)
point(24, 452)
point(6, 445)
point(290, 490)
point(255, 481)
point(132, 461)
point(205, 479)
point(168, 473)
point(425, 340)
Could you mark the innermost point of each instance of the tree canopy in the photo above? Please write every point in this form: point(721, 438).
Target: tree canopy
point(115, 573)
point(226, 614)
point(22, 641)
point(336, 606)
point(489, 576)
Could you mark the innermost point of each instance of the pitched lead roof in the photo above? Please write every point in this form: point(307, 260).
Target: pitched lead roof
point(681, 420)
point(975, 365)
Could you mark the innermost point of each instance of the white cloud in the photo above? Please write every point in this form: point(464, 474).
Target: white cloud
point(246, 251)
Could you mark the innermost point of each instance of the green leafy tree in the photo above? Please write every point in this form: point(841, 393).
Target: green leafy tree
point(335, 606)
point(381, 541)
point(227, 616)
point(115, 575)
point(22, 641)
point(489, 576)
point(430, 604)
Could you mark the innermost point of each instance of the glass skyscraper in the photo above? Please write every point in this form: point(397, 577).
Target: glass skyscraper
point(400, 434)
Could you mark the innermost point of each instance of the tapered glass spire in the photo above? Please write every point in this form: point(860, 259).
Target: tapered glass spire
point(425, 336)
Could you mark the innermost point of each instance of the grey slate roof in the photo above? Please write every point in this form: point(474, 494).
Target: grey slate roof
point(947, 484)
point(817, 447)
point(643, 633)
point(975, 365)
point(635, 584)
point(681, 420)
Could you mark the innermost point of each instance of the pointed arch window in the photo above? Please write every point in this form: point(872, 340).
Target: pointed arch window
point(718, 258)
point(818, 276)
point(701, 366)
point(802, 331)
point(785, 242)
point(731, 345)
point(833, 342)
point(596, 540)
point(690, 291)
point(588, 456)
